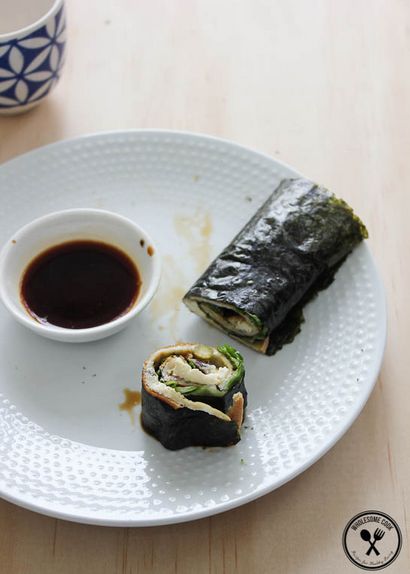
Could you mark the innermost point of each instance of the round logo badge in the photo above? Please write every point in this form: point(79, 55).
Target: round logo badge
point(372, 540)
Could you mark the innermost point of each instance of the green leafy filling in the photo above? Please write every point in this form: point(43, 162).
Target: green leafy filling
point(187, 388)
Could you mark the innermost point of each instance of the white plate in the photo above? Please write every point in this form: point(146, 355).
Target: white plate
point(65, 447)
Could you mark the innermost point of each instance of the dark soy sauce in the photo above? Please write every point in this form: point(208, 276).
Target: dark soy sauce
point(80, 284)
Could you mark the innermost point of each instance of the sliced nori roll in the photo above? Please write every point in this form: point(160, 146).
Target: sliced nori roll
point(256, 288)
point(194, 395)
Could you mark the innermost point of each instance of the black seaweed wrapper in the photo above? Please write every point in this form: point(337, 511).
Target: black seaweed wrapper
point(284, 255)
point(178, 428)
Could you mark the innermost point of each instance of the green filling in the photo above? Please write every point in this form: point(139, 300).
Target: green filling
point(224, 356)
point(236, 360)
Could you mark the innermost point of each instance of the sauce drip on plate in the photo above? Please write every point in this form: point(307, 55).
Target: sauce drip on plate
point(131, 400)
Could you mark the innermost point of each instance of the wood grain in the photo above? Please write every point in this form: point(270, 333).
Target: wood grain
point(325, 86)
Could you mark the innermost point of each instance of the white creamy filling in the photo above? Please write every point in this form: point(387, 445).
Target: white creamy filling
point(176, 366)
point(242, 325)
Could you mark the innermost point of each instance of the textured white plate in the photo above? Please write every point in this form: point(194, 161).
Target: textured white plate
point(65, 447)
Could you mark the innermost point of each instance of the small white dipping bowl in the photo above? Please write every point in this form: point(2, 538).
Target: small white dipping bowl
point(70, 225)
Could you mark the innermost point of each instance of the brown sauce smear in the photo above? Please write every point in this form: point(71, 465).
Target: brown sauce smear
point(131, 400)
point(196, 229)
point(80, 284)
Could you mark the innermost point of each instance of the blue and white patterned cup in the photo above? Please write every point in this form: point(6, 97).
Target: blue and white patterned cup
point(31, 56)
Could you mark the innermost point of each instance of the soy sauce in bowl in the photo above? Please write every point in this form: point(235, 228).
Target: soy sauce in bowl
point(80, 284)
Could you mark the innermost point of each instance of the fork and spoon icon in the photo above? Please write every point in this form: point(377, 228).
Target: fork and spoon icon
point(367, 537)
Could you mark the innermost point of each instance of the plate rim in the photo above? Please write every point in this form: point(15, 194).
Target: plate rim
point(220, 507)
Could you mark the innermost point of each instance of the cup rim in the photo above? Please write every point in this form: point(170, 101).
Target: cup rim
point(91, 333)
point(4, 37)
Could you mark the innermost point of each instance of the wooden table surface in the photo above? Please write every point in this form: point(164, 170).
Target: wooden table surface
point(325, 86)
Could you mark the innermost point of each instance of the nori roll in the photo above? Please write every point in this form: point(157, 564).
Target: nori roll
point(194, 395)
point(255, 290)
